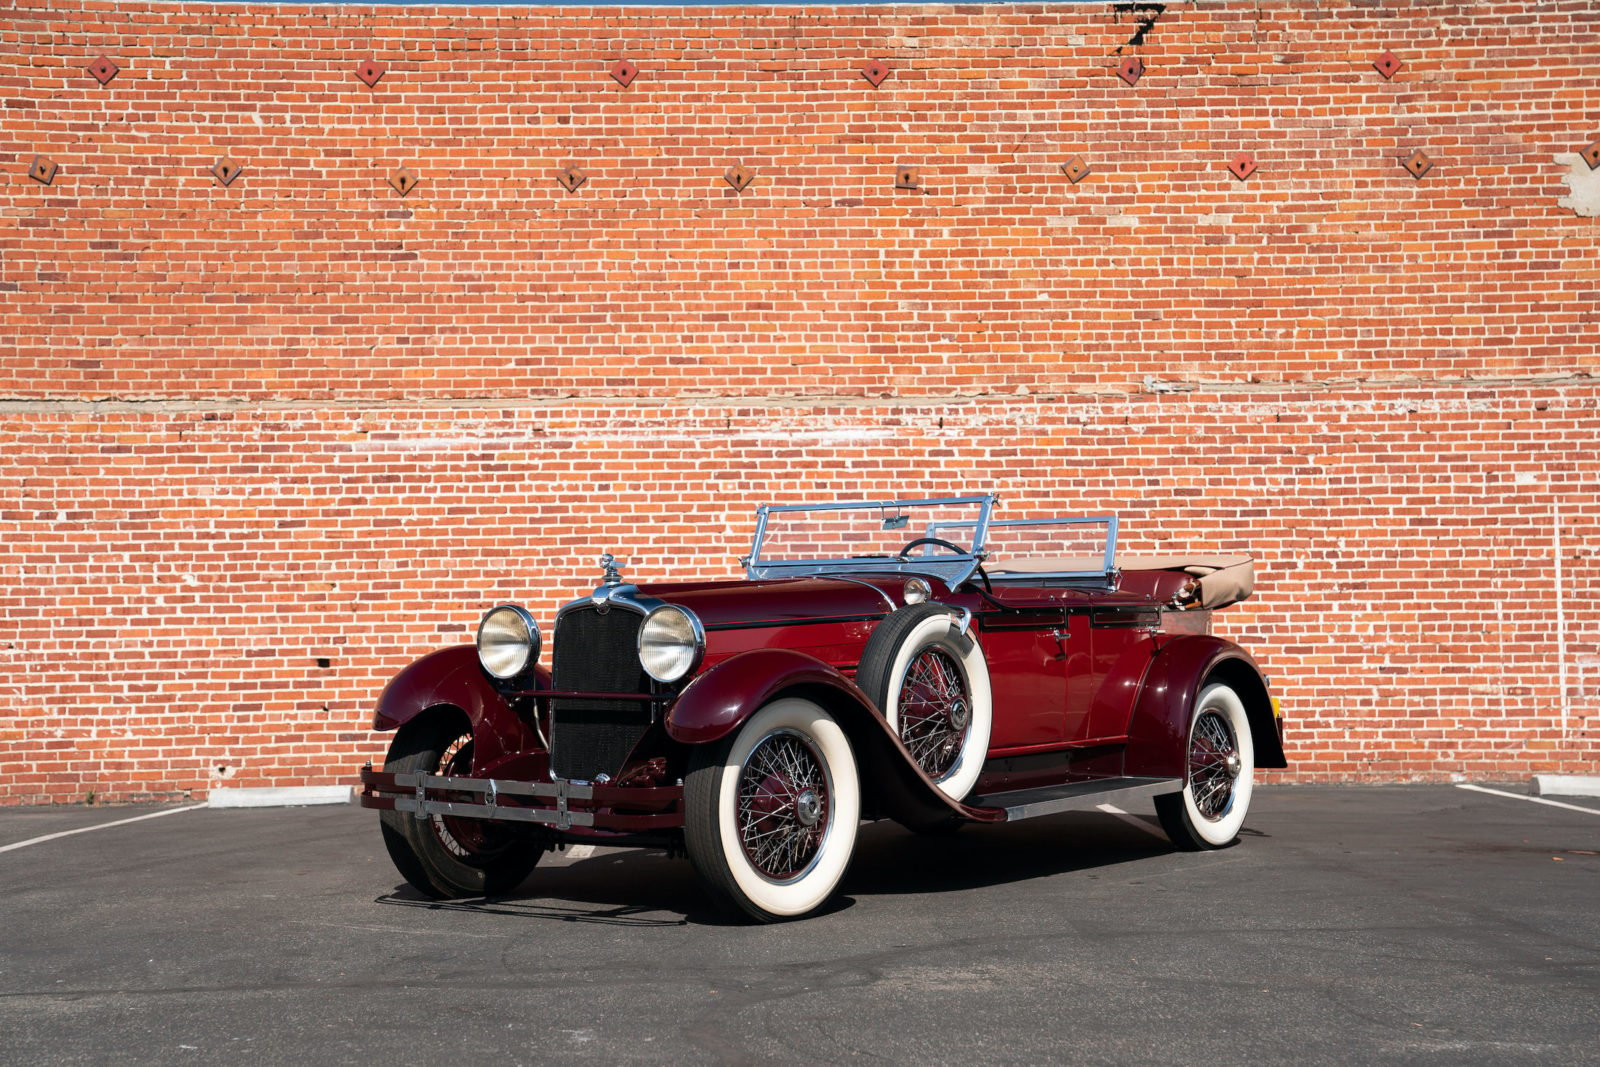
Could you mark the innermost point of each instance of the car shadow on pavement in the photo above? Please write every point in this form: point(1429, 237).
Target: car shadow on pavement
point(642, 889)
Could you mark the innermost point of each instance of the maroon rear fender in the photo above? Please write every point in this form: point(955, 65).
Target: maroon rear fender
point(452, 677)
point(1158, 736)
point(722, 698)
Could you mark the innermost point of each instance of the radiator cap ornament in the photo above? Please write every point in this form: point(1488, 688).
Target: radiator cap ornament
point(612, 575)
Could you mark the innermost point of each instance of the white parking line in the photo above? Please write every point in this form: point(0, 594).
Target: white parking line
point(101, 826)
point(1131, 820)
point(1520, 796)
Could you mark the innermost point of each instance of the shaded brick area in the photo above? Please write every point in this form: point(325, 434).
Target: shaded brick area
point(300, 417)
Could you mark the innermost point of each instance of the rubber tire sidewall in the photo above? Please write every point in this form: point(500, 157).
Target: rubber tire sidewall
point(711, 826)
point(934, 626)
point(418, 854)
point(1179, 812)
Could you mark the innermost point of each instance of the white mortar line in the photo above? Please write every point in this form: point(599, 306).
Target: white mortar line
point(101, 826)
point(1131, 820)
point(1561, 629)
point(1532, 800)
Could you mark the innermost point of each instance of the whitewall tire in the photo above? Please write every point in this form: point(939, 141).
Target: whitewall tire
point(772, 811)
point(1219, 774)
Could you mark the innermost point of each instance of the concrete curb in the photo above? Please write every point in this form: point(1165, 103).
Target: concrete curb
point(1565, 785)
point(297, 796)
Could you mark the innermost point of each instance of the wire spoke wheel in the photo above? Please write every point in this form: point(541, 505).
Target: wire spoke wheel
point(770, 811)
point(1213, 764)
point(783, 806)
point(935, 711)
point(446, 856)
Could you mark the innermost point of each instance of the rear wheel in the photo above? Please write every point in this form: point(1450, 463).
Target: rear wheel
point(771, 812)
point(1219, 777)
point(444, 856)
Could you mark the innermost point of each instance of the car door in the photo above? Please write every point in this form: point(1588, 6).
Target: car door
point(1040, 669)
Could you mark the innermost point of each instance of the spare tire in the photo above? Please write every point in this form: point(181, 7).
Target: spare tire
point(931, 684)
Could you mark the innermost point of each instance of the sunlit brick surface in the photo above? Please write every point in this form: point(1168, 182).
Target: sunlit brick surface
point(300, 417)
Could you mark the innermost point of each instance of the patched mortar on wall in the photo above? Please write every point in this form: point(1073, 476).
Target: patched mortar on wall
point(1584, 184)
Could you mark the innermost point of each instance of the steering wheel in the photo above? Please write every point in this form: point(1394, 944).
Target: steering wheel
point(909, 545)
point(957, 549)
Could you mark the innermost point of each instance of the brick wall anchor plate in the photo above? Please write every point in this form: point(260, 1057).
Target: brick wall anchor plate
point(1075, 169)
point(906, 178)
point(1417, 163)
point(875, 71)
point(1131, 69)
point(739, 177)
point(1387, 64)
point(570, 178)
point(103, 70)
point(42, 170)
point(1242, 166)
point(403, 181)
point(226, 170)
point(370, 72)
point(1591, 154)
point(624, 72)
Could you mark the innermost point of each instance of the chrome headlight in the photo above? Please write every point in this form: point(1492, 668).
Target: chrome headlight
point(916, 591)
point(508, 641)
point(671, 642)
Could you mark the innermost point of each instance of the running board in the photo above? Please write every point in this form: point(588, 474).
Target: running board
point(1075, 796)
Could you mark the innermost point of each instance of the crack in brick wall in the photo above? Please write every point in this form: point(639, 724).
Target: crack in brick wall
point(249, 428)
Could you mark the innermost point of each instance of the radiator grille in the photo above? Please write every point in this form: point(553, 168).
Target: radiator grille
point(596, 653)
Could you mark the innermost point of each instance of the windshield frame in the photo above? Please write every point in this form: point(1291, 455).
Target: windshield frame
point(952, 569)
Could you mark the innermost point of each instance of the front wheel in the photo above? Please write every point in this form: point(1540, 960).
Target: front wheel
point(771, 812)
point(443, 856)
point(1219, 778)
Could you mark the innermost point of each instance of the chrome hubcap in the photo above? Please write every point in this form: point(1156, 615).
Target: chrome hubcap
point(808, 808)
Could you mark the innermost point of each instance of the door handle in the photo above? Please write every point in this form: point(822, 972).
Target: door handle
point(1060, 635)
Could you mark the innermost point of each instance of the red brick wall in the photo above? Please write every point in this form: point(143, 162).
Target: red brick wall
point(243, 428)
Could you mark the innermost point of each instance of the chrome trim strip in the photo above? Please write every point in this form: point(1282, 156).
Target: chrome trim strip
point(561, 818)
point(509, 787)
point(887, 599)
point(1081, 796)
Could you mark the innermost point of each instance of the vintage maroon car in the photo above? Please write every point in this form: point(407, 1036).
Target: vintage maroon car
point(914, 660)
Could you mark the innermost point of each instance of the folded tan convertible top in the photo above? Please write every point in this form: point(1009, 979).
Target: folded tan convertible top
point(1224, 580)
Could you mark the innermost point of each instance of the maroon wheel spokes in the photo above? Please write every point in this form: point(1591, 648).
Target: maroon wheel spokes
point(783, 806)
point(465, 838)
point(1213, 764)
point(935, 711)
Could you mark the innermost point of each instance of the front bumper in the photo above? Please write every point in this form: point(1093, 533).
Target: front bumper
point(560, 805)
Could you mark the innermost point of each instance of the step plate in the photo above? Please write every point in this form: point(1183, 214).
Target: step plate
point(1076, 796)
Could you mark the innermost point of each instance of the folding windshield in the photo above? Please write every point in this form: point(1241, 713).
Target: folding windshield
point(1059, 547)
point(939, 537)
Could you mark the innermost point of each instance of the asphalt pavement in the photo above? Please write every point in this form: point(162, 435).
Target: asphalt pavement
point(1351, 925)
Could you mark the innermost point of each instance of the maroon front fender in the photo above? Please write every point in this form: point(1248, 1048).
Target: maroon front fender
point(715, 703)
point(452, 676)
